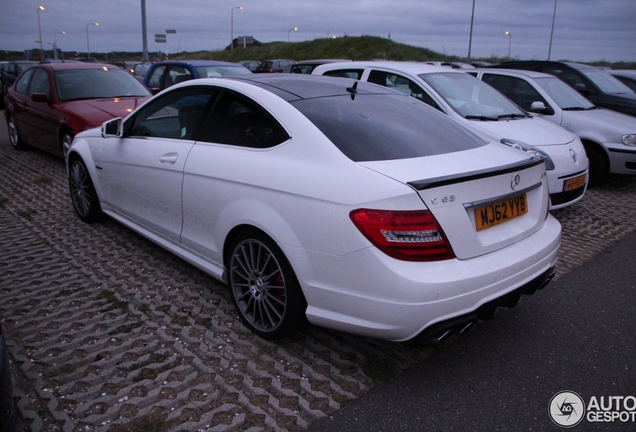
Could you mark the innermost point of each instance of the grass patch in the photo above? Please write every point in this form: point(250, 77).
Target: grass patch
point(113, 302)
point(125, 328)
point(27, 213)
point(181, 320)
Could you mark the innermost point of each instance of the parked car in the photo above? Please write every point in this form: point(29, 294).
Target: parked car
point(271, 66)
point(307, 66)
point(609, 137)
point(8, 410)
point(484, 110)
point(52, 102)
point(140, 69)
point(347, 204)
point(626, 76)
point(597, 85)
point(3, 64)
point(162, 75)
point(11, 72)
point(250, 64)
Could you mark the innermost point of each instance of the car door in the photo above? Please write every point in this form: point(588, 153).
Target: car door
point(40, 118)
point(141, 174)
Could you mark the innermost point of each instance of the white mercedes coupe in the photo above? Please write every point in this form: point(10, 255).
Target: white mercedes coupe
point(335, 202)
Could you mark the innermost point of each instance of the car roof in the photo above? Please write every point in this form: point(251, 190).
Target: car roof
point(413, 68)
point(73, 65)
point(548, 62)
point(515, 72)
point(196, 63)
point(624, 72)
point(292, 87)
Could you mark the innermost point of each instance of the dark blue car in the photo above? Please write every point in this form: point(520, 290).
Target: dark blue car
point(163, 74)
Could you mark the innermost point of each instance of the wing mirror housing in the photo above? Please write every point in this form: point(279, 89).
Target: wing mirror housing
point(538, 107)
point(113, 128)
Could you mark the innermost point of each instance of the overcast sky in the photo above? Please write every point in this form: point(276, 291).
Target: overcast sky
point(584, 30)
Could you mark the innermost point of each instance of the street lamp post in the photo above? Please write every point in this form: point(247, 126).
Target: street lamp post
point(88, 47)
point(40, 8)
point(232, 25)
point(470, 38)
point(55, 43)
point(509, 42)
point(291, 30)
point(552, 31)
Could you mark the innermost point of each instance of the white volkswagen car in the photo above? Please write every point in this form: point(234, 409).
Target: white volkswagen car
point(333, 201)
point(485, 111)
point(609, 136)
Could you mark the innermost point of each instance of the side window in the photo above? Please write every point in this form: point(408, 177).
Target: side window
point(175, 115)
point(22, 85)
point(402, 84)
point(345, 73)
point(239, 121)
point(176, 75)
point(40, 83)
point(155, 78)
point(569, 77)
point(515, 89)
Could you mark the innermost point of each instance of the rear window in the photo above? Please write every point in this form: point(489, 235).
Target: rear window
point(374, 127)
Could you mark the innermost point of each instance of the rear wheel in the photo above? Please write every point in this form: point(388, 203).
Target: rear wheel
point(83, 193)
point(264, 288)
point(14, 136)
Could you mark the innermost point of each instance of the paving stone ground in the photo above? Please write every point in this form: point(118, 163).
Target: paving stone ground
point(108, 332)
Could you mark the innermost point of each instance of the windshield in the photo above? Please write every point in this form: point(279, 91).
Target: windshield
point(470, 97)
point(97, 84)
point(606, 82)
point(564, 95)
point(219, 71)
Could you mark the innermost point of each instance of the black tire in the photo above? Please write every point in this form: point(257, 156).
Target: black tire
point(264, 288)
point(66, 139)
point(83, 195)
point(14, 135)
point(599, 164)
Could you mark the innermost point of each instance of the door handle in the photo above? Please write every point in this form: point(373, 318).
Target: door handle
point(169, 158)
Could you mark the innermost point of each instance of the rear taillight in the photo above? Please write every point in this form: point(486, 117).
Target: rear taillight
point(404, 235)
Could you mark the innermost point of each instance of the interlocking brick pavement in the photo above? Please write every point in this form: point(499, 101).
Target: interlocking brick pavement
point(108, 332)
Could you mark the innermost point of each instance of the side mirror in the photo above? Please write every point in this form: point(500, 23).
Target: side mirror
point(113, 128)
point(581, 88)
point(538, 107)
point(39, 97)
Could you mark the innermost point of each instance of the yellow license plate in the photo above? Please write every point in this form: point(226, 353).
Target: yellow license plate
point(574, 183)
point(501, 211)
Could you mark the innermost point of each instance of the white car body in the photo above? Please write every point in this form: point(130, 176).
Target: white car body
point(192, 197)
point(609, 136)
point(568, 179)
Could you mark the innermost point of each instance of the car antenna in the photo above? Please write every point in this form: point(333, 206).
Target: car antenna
point(353, 90)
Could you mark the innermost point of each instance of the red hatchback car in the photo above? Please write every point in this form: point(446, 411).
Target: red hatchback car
point(50, 103)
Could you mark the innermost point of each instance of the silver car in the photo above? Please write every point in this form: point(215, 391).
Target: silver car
point(609, 137)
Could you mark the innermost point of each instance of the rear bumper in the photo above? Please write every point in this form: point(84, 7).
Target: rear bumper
point(370, 294)
point(462, 323)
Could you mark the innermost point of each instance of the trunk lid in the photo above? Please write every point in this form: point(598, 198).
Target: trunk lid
point(484, 199)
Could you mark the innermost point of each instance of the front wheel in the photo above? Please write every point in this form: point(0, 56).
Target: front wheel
point(264, 288)
point(83, 193)
point(14, 135)
point(599, 164)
